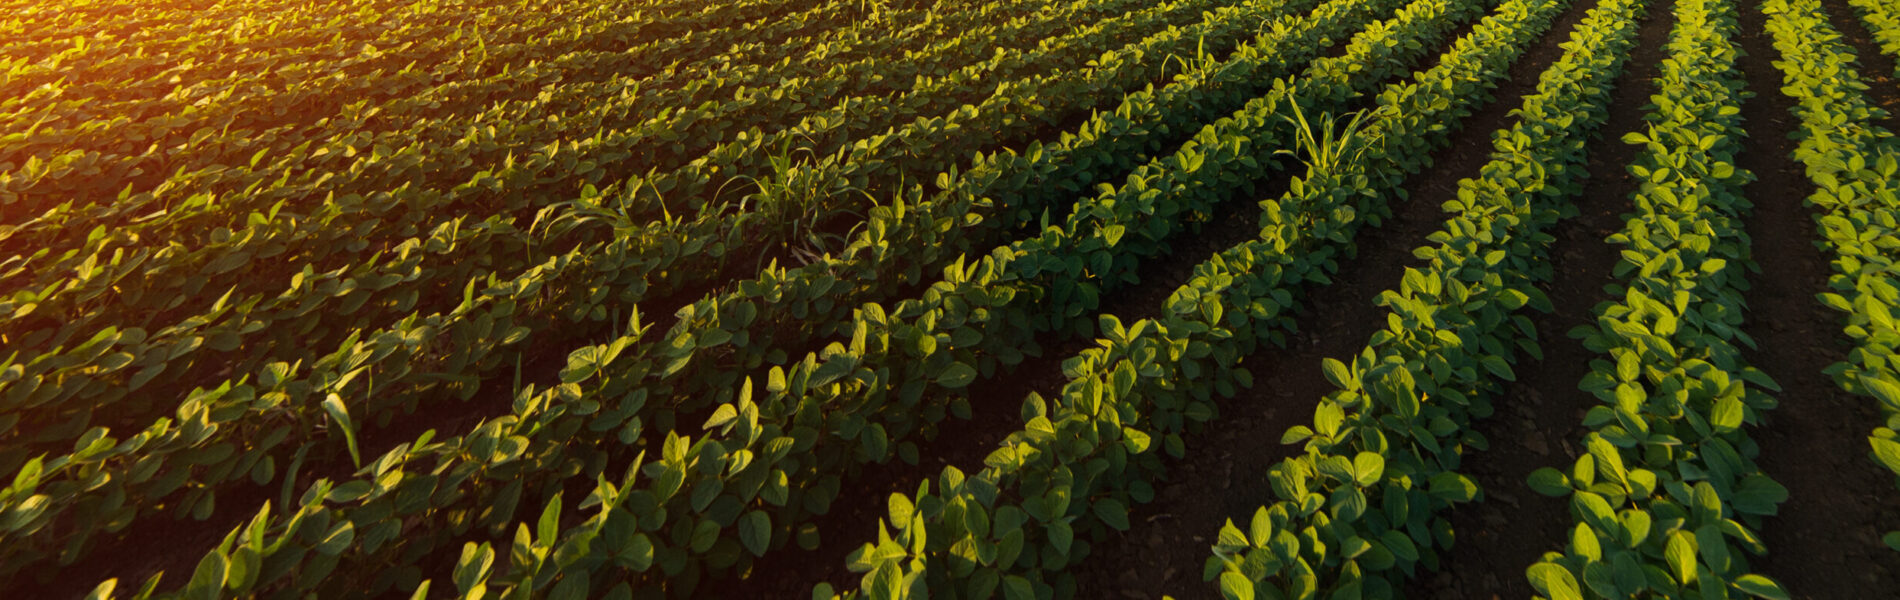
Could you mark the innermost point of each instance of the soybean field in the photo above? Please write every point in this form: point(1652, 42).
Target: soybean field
point(955, 299)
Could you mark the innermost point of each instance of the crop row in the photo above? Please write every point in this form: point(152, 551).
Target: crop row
point(293, 136)
point(389, 286)
point(1883, 21)
point(801, 308)
point(281, 386)
point(253, 457)
point(293, 324)
point(213, 419)
point(425, 173)
point(247, 72)
point(394, 283)
point(35, 31)
point(1668, 494)
point(386, 348)
point(1362, 509)
point(1856, 175)
point(1073, 469)
point(554, 418)
point(900, 372)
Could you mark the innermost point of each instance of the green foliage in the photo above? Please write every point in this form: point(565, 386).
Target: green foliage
point(1667, 494)
point(1856, 173)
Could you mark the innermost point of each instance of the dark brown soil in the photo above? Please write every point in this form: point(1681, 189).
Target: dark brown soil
point(1825, 543)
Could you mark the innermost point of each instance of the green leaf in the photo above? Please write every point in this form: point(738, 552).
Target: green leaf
point(1885, 391)
point(1235, 586)
point(104, 590)
point(1296, 434)
point(886, 582)
point(1554, 581)
point(1367, 467)
point(208, 580)
point(1111, 511)
point(956, 376)
point(1727, 415)
point(472, 568)
point(570, 588)
point(333, 404)
point(1609, 460)
point(1061, 537)
point(1337, 372)
point(1550, 482)
point(338, 539)
point(900, 509)
point(721, 416)
point(1759, 495)
point(1680, 556)
point(549, 527)
point(1453, 487)
point(1017, 588)
point(1760, 587)
point(1887, 452)
point(1499, 367)
point(705, 534)
point(755, 531)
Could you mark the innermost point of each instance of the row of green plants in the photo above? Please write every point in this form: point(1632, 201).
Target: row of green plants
point(901, 249)
point(481, 121)
point(567, 427)
point(334, 373)
point(1856, 174)
point(108, 97)
point(292, 318)
point(1667, 496)
point(832, 162)
point(35, 35)
point(109, 369)
point(79, 161)
point(1883, 22)
point(904, 368)
point(273, 324)
point(298, 323)
point(909, 365)
point(214, 419)
point(1069, 476)
point(1362, 510)
point(803, 307)
point(250, 229)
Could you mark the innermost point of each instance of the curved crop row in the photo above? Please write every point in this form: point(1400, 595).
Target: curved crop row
point(194, 435)
point(296, 323)
point(1668, 493)
point(1076, 465)
point(475, 333)
point(33, 35)
point(297, 66)
point(1856, 174)
point(243, 219)
point(560, 430)
point(1883, 21)
point(274, 325)
point(367, 374)
point(1383, 455)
